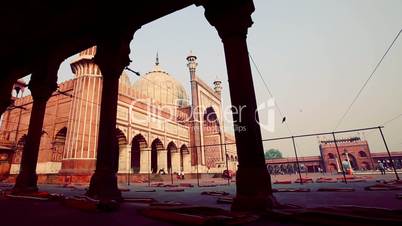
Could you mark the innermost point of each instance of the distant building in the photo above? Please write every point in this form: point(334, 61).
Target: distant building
point(354, 151)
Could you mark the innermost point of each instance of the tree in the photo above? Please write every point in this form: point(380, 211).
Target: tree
point(273, 154)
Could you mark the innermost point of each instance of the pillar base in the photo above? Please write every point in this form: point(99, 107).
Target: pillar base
point(103, 186)
point(25, 183)
point(254, 192)
point(254, 203)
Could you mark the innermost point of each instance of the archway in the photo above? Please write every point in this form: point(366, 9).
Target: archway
point(121, 137)
point(120, 157)
point(58, 145)
point(362, 154)
point(352, 160)
point(365, 166)
point(138, 145)
point(185, 162)
point(172, 157)
point(212, 137)
point(157, 156)
point(333, 168)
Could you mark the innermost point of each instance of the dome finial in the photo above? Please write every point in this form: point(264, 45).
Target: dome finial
point(157, 59)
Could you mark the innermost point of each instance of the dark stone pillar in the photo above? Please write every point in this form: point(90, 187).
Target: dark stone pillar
point(253, 182)
point(112, 57)
point(42, 84)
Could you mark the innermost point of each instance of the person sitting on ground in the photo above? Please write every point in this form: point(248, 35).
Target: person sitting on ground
point(162, 171)
point(179, 175)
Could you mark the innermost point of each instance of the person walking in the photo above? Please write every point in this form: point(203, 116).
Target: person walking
point(381, 168)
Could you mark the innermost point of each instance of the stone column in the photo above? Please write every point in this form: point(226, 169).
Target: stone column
point(175, 161)
point(253, 181)
point(162, 159)
point(42, 84)
point(112, 57)
point(83, 121)
point(187, 163)
point(145, 160)
point(124, 156)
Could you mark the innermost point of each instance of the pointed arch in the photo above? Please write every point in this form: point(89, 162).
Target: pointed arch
point(170, 148)
point(183, 151)
point(352, 160)
point(213, 153)
point(121, 137)
point(138, 144)
point(156, 146)
point(210, 117)
point(362, 154)
point(60, 135)
point(59, 142)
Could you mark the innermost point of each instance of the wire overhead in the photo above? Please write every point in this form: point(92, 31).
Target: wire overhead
point(270, 93)
point(368, 79)
point(391, 120)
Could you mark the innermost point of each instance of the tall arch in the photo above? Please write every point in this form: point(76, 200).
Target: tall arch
point(58, 145)
point(352, 160)
point(212, 138)
point(333, 168)
point(172, 155)
point(362, 154)
point(365, 166)
point(138, 145)
point(120, 156)
point(121, 137)
point(158, 158)
point(185, 160)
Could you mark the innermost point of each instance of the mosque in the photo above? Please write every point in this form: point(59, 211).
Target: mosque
point(159, 126)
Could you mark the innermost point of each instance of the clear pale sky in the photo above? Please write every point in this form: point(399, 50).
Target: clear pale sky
point(314, 55)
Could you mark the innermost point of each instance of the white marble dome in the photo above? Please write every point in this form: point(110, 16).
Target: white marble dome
point(162, 88)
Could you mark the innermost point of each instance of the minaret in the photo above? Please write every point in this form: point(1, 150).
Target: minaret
point(157, 59)
point(218, 87)
point(197, 157)
point(82, 130)
point(192, 65)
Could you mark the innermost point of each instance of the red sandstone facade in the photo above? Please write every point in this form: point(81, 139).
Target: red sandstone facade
point(353, 150)
point(152, 131)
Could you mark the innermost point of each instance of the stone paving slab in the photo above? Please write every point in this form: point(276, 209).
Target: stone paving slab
point(27, 212)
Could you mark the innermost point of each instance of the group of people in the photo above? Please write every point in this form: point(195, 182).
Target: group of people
point(180, 174)
point(285, 169)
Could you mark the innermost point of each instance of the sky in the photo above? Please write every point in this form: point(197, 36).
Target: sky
point(314, 55)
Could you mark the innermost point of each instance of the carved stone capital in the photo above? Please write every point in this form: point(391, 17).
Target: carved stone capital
point(44, 80)
point(230, 18)
point(112, 54)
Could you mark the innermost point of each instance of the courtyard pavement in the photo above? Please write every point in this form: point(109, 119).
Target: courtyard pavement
point(51, 213)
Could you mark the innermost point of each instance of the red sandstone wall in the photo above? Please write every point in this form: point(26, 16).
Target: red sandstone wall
point(56, 117)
